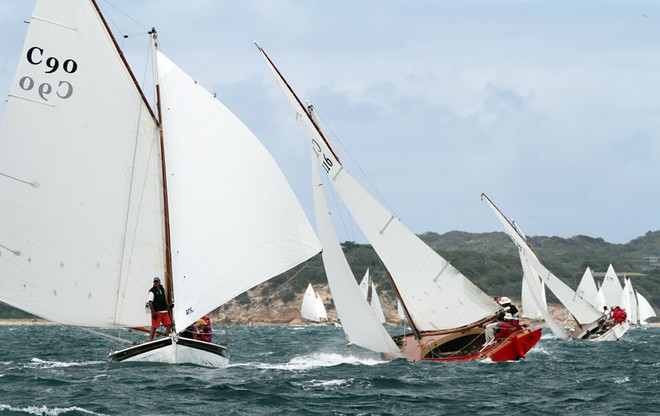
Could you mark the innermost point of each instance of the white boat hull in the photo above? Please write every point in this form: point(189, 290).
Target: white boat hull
point(615, 333)
point(175, 350)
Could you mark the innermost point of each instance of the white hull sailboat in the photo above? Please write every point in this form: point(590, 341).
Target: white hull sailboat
point(99, 193)
point(446, 312)
point(592, 324)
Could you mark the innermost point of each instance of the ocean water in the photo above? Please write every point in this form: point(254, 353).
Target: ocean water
point(289, 370)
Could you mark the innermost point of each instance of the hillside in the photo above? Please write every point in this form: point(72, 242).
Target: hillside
point(490, 260)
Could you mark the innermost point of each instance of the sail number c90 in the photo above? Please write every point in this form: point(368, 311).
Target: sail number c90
point(64, 89)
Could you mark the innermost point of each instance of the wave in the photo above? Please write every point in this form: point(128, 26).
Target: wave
point(46, 411)
point(316, 360)
point(39, 363)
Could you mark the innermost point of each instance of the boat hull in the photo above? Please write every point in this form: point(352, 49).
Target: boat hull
point(175, 350)
point(465, 346)
point(614, 333)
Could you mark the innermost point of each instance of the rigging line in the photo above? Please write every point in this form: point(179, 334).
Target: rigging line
point(275, 292)
point(125, 15)
point(340, 213)
point(106, 336)
point(350, 156)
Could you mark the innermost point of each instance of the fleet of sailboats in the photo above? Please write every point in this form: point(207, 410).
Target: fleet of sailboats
point(446, 312)
point(588, 317)
point(99, 193)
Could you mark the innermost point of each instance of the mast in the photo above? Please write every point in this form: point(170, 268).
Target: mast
point(313, 121)
point(169, 284)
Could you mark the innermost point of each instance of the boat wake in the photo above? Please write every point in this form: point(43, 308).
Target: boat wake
point(39, 363)
point(318, 360)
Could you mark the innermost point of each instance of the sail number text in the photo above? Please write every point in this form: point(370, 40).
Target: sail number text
point(326, 162)
point(63, 89)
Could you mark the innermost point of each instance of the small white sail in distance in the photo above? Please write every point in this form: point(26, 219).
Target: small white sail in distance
point(309, 307)
point(376, 305)
point(320, 309)
point(629, 301)
point(645, 309)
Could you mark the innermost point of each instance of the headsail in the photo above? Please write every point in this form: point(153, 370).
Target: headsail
point(81, 230)
point(358, 320)
point(229, 201)
point(436, 294)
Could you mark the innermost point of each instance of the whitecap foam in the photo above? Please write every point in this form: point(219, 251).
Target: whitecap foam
point(39, 363)
point(318, 360)
point(622, 380)
point(45, 410)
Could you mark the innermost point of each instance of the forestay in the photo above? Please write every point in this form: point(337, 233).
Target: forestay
point(81, 230)
point(435, 293)
point(235, 222)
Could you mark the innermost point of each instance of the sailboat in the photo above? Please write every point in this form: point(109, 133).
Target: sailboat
point(99, 194)
point(645, 310)
point(312, 307)
point(589, 318)
point(446, 312)
point(367, 285)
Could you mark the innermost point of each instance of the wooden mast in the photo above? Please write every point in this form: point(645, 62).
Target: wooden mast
point(169, 283)
point(158, 120)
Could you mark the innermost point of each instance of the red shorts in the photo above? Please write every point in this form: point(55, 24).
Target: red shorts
point(161, 317)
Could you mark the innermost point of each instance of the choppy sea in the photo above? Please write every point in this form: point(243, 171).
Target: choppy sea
point(308, 370)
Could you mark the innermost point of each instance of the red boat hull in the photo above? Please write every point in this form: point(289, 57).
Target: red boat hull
point(465, 346)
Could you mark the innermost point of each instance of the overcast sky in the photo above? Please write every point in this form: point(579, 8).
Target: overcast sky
point(552, 108)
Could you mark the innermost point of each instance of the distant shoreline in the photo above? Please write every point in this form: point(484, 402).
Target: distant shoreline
point(42, 322)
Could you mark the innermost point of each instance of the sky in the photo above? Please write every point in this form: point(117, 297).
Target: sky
point(551, 108)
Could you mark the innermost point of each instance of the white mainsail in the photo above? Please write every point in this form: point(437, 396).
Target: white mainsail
point(436, 294)
point(645, 309)
point(581, 310)
point(81, 228)
point(628, 301)
point(587, 289)
point(235, 222)
point(611, 288)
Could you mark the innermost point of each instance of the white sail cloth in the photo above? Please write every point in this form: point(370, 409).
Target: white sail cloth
point(235, 222)
point(82, 227)
point(436, 294)
point(358, 319)
point(583, 311)
point(81, 230)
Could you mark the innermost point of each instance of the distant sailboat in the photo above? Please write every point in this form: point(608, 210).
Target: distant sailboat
point(98, 195)
point(589, 318)
point(312, 307)
point(367, 284)
point(646, 311)
point(446, 312)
